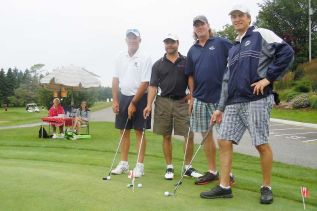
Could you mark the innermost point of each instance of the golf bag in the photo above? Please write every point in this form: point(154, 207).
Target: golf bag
point(43, 133)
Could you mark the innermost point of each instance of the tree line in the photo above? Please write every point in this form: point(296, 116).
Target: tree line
point(17, 88)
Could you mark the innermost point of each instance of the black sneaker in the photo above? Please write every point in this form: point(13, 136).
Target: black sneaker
point(169, 174)
point(266, 196)
point(217, 192)
point(206, 178)
point(191, 172)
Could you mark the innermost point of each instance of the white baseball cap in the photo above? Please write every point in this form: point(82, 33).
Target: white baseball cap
point(240, 7)
point(136, 32)
point(171, 36)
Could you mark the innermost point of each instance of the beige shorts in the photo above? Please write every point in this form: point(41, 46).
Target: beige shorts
point(171, 115)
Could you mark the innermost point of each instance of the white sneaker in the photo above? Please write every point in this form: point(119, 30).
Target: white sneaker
point(138, 170)
point(191, 172)
point(54, 135)
point(122, 167)
point(169, 175)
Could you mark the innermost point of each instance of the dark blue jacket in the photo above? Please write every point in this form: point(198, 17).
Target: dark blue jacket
point(259, 54)
point(207, 65)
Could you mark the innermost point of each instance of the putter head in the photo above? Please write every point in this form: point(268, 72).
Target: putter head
point(106, 178)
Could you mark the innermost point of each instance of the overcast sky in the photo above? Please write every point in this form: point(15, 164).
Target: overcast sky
point(90, 33)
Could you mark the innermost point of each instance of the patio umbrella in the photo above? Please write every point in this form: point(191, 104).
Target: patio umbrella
point(72, 78)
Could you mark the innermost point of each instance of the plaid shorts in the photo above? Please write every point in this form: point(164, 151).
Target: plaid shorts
point(254, 116)
point(201, 114)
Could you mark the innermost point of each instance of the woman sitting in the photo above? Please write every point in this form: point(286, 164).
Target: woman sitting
point(82, 116)
point(55, 111)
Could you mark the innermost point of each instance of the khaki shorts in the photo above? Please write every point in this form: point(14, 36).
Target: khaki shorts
point(171, 114)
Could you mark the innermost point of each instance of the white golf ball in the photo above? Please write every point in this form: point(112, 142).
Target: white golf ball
point(108, 177)
point(166, 193)
point(139, 185)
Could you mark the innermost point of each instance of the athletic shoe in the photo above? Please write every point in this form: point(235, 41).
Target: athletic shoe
point(266, 196)
point(191, 172)
point(138, 170)
point(54, 135)
point(121, 168)
point(169, 174)
point(207, 178)
point(217, 192)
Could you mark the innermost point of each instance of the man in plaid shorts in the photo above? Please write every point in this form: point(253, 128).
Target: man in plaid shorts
point(256, 60)
point(206, 64)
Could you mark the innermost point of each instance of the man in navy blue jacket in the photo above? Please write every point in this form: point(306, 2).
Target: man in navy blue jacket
point(256, 60)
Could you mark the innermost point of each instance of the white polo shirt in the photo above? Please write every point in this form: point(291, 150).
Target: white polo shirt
point(131, 71)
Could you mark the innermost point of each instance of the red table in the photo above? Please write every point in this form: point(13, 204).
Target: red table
point(58, 121)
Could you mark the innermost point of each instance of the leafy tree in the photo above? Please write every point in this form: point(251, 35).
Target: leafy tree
point(228, 32)
point(289, 20)
point(45, 97)
point(27, 77)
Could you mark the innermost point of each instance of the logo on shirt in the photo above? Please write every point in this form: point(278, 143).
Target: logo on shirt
point(136, 64)
point(212, 48)
point(247, 43)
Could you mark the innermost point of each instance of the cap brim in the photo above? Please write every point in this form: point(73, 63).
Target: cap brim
point(232, 11)
point(134, 33)
point(199, 20)
point(169, 38)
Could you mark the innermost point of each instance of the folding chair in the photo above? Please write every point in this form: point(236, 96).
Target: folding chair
point(85, 126)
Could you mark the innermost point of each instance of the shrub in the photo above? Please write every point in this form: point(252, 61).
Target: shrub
point(302, 86)
point(286, 82)
point(301, 101)
point(299, 72)
point(313, 101)
point(291, 95)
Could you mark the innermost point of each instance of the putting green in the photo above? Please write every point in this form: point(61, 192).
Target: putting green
point(39, 174)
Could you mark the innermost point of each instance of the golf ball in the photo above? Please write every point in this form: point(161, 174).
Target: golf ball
point(139, 185)
point(108, 177)
point(166, 193)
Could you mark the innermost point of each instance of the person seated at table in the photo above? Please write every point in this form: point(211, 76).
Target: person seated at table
point(82, 116)
point(55, 111)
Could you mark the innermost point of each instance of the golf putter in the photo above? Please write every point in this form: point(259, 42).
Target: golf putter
point(189, 129)
point(140, 146)
point(108, 177)
point(190, 163)
point(185, 150)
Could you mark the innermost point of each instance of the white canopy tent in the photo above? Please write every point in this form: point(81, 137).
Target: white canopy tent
point(72, 78)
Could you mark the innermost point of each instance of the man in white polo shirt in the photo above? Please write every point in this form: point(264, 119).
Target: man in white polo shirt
point(131, 76)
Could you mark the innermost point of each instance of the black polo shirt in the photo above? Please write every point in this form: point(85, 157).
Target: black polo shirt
point(170, 77)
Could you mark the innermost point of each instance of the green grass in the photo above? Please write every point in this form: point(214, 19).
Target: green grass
point(300, 115)
point(18, 115)
point(40, 174)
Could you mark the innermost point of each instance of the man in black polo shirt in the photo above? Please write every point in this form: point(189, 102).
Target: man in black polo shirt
point(169, 81)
